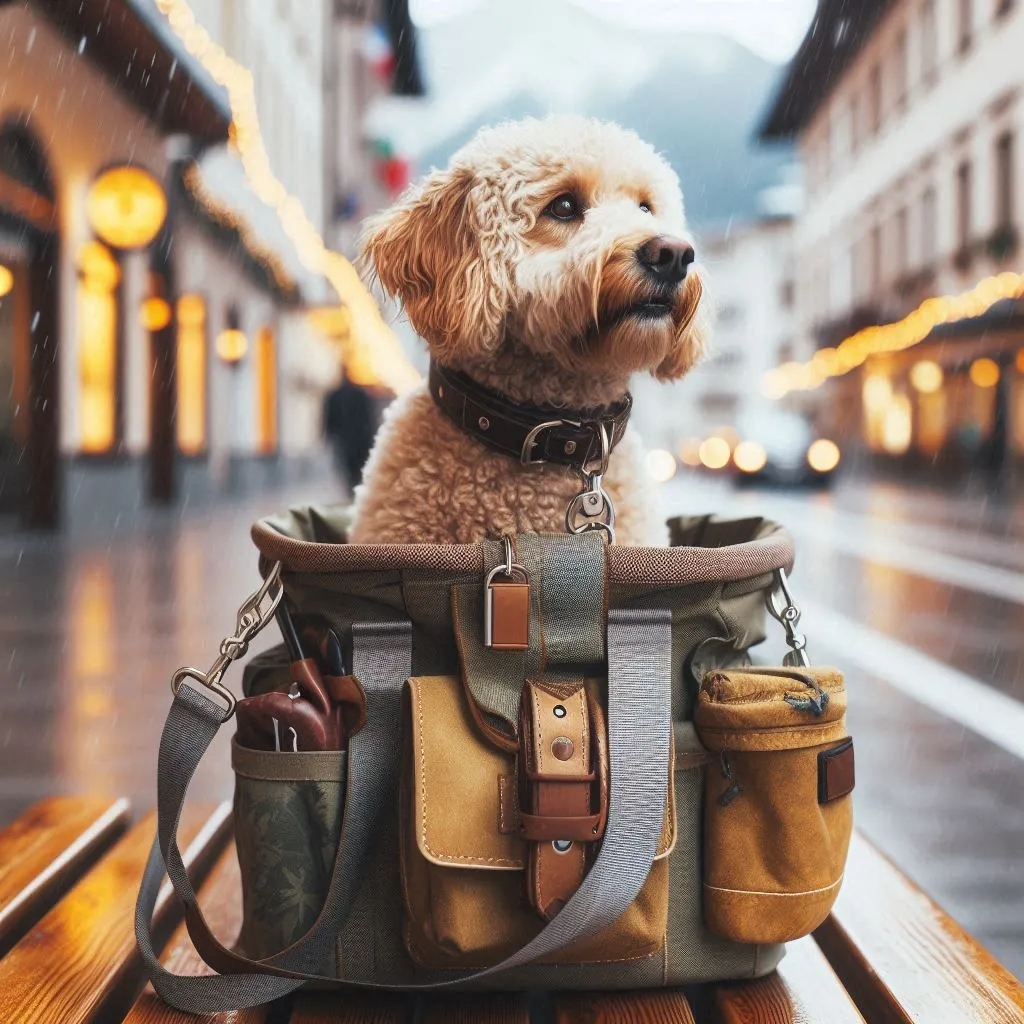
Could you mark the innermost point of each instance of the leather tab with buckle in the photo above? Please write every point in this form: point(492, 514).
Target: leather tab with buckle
point(562, 789)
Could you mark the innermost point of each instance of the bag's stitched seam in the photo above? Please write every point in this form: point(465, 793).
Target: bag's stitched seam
point(756, 892)
point(423, 797)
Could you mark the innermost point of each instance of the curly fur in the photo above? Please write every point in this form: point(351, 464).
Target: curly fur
point(537, 308)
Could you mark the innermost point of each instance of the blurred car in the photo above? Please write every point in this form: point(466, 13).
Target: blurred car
point(781, 447)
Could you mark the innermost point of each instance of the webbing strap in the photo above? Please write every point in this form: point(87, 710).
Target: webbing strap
point(639, 672)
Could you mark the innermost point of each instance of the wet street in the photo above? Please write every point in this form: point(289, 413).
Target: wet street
point(919, 597)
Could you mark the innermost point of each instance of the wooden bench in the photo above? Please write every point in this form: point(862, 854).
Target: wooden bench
point(69, 870)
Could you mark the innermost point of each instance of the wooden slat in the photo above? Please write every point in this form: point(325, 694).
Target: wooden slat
point(48, 848)
point(485, 1008)
point(903, 959)
point(83, 950)
point(351, 1008)
point(659, 1006)
point(804, 990)
point(221, 900)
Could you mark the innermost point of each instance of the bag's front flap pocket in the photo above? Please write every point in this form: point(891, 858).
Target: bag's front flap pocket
point(463, 787)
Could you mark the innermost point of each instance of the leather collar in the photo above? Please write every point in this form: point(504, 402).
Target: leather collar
point(530, 433)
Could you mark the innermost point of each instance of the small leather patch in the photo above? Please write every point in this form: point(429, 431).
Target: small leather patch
point(835, 772)
point(510, 616)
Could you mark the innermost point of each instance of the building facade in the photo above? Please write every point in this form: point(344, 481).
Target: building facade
point(151, 362)
point(910, 121)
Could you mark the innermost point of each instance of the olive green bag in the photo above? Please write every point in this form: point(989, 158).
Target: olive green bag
point(400, 862)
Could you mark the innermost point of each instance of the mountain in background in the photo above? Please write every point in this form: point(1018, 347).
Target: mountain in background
point(699, 105)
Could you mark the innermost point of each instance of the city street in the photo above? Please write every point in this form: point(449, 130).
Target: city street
point(917, 596)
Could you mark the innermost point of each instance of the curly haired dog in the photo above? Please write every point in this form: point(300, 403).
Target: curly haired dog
point(548, 263)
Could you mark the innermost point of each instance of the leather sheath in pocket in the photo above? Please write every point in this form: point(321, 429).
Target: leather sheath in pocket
point(778, 810)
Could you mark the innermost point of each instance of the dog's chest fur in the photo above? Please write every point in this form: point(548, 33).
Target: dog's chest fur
point(427, 482)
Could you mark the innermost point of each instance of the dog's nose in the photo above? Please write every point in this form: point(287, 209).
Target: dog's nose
point(666, 258)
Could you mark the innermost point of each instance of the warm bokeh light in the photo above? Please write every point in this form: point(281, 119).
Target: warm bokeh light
point(266, 390)
point(376, 343)
point(99, 269)
point(6, 281)
point(155, 313)
point(714, 453)
point(894, 337)
point(876, 392)
point(823, 455)
point(750, 456)
point(689, 451)
point(99, 275)
point(126, 207)
point(985, 372)
point(926, 376)
point(897, 425)
point(231, 346)
point(661, 465)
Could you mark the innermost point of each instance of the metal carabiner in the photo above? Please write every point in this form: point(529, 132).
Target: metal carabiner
point(249, 622)
point(781, 606)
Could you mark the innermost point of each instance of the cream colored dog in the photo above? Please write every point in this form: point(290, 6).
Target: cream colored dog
point(548, 263)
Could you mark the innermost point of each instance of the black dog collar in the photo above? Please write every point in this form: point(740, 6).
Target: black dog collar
point(530, 433)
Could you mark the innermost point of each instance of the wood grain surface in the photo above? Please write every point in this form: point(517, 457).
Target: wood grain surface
point(663, 1006)
point(46, 849)
point(64, 968)
point(903, 959)
point(351, 1008)
point(804, 990)
point(483, 1008)
point(221, 900)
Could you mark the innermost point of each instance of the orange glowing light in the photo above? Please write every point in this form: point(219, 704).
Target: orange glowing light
point(6, 281)
point(231, 346)
point(155, 313)
point(985, 372)
point(126, 207)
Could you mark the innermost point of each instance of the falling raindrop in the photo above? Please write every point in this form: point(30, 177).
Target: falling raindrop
point(35, 320)
point(174, 67)
point(81, 46)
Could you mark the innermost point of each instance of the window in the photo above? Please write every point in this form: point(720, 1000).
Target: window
point(929, 43)
point(1004, 180)
point(963, 205)
point(99, 278)
point(928, 211)
point(902, 246)
point(875, 98)
point(875, 256)
point(965, 24)
point(900, 70)
point(266, 391)
point(191, 375)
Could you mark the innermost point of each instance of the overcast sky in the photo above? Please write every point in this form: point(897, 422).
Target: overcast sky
point(772, 28)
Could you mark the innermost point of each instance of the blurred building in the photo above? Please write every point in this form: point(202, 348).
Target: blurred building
point(749, 271)
point(153, 339)
point(910, 119)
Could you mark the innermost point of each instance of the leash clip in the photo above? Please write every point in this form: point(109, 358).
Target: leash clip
point(592, 508)
point(253, 614)
point(784, 610)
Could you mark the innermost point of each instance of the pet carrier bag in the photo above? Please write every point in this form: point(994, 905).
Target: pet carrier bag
point(541, 762)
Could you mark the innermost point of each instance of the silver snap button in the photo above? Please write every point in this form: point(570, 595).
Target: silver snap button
point(484, 422)
point(570, 447)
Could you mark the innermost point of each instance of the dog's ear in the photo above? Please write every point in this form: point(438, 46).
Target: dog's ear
point(692, 334)
point(427, 250)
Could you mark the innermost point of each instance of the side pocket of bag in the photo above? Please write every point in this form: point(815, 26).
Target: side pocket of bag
point(778, 804)
point(288, 811)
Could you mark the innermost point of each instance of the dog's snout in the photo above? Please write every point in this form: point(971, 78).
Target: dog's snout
point(666, 259)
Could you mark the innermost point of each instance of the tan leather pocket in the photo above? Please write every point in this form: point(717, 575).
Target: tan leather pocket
point(463, 861)
point(778, 809)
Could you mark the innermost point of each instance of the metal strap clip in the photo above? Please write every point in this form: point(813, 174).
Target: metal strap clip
point(783, 609)
point(253, 615)
point(592, 508)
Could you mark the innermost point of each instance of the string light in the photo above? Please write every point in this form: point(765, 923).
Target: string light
point(894, 337)
point(372, 339)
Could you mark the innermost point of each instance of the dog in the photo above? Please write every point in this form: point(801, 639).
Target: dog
point(544, 267)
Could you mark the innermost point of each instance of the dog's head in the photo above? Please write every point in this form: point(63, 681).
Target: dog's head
point(565, 236)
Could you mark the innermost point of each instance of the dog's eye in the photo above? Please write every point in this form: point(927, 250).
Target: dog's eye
point(564, 207)
point(646, 207)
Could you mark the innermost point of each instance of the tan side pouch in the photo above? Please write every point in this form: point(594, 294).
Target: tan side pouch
point(463, 861)
point(778, 809)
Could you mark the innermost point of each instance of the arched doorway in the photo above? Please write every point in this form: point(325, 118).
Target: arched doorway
point(29, 318)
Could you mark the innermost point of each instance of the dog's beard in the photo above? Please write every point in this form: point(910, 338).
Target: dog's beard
point(610, 318)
